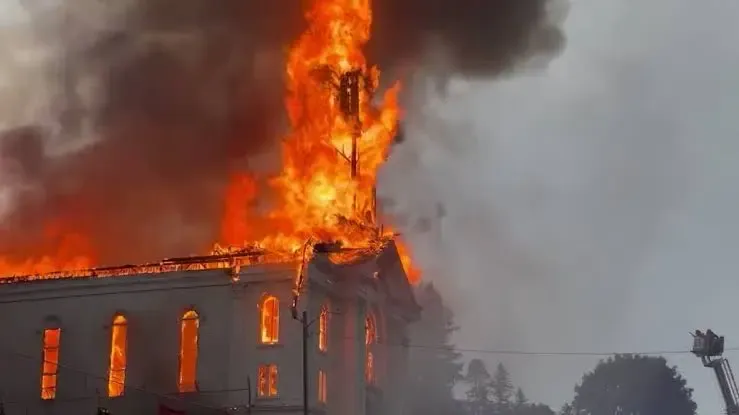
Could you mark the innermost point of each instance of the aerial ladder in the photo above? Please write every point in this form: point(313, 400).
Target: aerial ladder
point(710, 348)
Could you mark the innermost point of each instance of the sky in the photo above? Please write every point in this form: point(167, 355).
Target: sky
point(589, 206)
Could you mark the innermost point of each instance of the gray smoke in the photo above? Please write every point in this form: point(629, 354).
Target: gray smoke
point(587, 208)
point(124, 121)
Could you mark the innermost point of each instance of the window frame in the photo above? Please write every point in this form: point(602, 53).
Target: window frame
point(322, 387)
point(123, 325)
point(184, 317)
point(370, 357)
point(271, 378)
point(370, 375)
point(323, 329)
point(263, 337)
point(54, 376)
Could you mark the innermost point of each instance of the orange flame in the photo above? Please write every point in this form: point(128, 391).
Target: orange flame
point(339, 137)
point(317, 188)
point(71, 252)
point(326, 190)
point(411, 271)
point(240, 193)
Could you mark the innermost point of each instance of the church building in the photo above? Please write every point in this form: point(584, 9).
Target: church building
point(211, 336)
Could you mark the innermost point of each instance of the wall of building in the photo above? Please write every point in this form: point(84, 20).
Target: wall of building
point(84, 310)
point(247, 353)
point(230, 350)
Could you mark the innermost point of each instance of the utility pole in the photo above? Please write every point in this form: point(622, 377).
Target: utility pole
point(305, 324)
point(302, 318)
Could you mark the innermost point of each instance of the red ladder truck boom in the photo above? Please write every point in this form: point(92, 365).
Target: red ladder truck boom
point(710, 348)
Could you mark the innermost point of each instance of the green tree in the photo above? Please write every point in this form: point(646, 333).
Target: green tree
point(435, 367)
point(566, 409)
point(520, 400)
point(535, 409)
point(478, 394)
point(502, 390)
point(522, 406)
point(633, 384)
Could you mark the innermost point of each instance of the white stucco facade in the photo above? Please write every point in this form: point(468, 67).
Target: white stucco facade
point(229, 347)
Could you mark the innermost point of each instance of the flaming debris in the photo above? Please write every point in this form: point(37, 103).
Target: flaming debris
point(325, 192)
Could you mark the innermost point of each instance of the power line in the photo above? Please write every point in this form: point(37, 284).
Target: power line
point(559, 353)
point(379, 342)
point(105, 378)
point(543, 353)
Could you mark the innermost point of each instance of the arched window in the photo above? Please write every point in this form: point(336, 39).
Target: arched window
point(370, 339)
point(267, 381)
point(370, 330)
point(369, 368)
point(50, 363)
point(118, 345)
point(188, 351)
point(323, 329)
point(322, 395)
point(269, 331)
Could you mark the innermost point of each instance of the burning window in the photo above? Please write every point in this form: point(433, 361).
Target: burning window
point(188, 351)
point(267, 387)
point(323, 329)
point(270, 320)
point(370, 339)
point(117, 369)
point(50, 363)
point(321, 386)
point(369, 368)
point(370, 330)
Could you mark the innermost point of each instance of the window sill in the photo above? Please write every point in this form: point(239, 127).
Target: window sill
point(268, 398)
point(270, 345)
point(193, 391)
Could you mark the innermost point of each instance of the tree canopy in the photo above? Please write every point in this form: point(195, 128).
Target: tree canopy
point(496, 395)
point(435, 368)
point(478, 395)
point(633, 384)
point(502, 387)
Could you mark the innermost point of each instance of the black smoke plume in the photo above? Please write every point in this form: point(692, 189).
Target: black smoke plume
point(185, 91)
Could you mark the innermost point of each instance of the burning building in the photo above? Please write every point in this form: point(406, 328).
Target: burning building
point(211, 335)
point(224, 332)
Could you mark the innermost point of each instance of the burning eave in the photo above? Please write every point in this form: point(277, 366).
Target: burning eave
point(229, 261)
point(195, 263)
